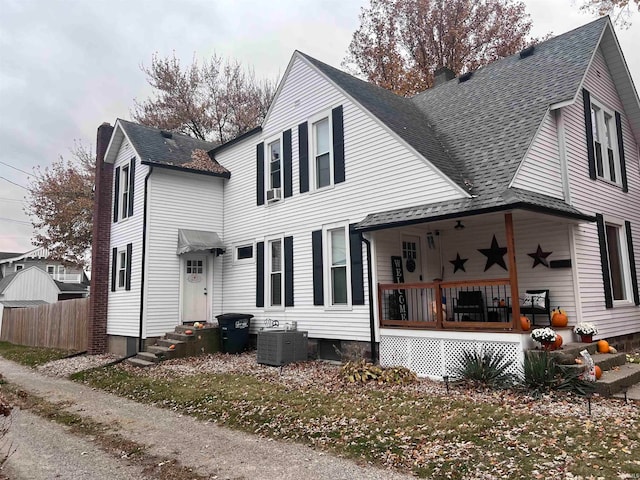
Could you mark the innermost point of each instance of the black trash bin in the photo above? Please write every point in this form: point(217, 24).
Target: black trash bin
point(234, 331)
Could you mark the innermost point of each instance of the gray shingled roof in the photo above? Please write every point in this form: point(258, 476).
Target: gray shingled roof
point(71, 287)
point(479, 130)
point(4, 282)
point(5, 255)
point(156, 149)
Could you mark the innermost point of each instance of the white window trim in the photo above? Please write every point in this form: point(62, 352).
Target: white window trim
point(613, 134)
point(267, 273)
point(326, 263)
point(312, 147)
point(123, 207)
point(54, 269)
point(267, 166)
point(244, 260)
point(119, 267)
point(626, 266)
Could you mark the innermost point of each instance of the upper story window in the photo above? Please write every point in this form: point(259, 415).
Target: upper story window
point(51, 269)
point(322, 153)
point(275, 164)
point(123, 191)
point(605, 143)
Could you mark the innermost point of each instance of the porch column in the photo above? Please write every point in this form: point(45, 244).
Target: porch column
point(513, 272)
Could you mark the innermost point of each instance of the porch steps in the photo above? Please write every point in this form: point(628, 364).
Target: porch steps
point(617, 375)
point(202, 340)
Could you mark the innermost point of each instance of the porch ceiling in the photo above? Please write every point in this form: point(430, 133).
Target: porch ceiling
point(510, 199)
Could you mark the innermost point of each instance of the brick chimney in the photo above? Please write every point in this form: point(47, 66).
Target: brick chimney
point(97, 329)
point(442, 75)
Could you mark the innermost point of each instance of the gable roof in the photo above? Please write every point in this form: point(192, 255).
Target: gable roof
point(399, 114)
point(489, 120)
point(160, 148)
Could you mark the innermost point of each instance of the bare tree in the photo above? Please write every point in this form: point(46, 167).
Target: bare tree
point(216, 100)
point(620, 10)
point(400, 43)
point(61, 206)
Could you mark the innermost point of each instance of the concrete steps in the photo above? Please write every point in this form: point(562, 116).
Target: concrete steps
point(617, 375)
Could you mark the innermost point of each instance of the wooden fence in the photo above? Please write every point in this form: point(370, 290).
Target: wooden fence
point(57, 325)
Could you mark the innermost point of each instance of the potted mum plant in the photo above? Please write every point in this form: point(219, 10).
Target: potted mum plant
point(545, 336)
point(586, 332)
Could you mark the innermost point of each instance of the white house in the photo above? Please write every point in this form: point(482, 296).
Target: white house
point(521, 176)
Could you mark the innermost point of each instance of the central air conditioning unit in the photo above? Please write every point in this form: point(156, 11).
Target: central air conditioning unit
point(274, 195)
point(280, 347)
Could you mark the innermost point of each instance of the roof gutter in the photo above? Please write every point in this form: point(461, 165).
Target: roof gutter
point(183, 169)
point(481, 211)
point(144, 248)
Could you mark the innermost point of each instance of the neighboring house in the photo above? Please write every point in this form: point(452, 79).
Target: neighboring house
point(522, 175)
point(11, 262)
point(33, 284)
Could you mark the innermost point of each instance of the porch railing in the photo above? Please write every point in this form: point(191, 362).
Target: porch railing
point(466, 305)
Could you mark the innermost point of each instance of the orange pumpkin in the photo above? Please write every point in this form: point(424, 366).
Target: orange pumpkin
point(525, 323)
point(598, 372)
point(188, 332)
point(172, 347)
point(559, 318)
point(603, 346)
point(558, 343)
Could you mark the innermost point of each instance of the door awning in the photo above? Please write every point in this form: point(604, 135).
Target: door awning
point(197, 241)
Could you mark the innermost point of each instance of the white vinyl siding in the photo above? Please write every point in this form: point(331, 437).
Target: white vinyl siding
point(540, 171)
point(178, 200)
point(124, 305)
point(597, 196)
point(381, 174)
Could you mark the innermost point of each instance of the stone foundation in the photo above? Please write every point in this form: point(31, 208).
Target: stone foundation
point(625, 343)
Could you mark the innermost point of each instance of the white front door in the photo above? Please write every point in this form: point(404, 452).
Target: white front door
point(194, 298)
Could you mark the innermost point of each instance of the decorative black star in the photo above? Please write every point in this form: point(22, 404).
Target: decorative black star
point(539, 257)
point(494, 254)
point(458, 263)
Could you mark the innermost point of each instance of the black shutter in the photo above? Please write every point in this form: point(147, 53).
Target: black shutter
point(632, 264)
point(114, 268)
point(127, 280)
point(260, 274)
point(338, 144)
point(116, 194)
point(604, 260)
point(132, 179)
point(287, 163)
point(288, 271)
point(623, 163)
point(303, 156)
point(591, 154)
point(357, 281)
point(318, 288)
point(260, 173)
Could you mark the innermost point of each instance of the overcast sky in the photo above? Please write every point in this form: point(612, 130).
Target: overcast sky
point(66, 66)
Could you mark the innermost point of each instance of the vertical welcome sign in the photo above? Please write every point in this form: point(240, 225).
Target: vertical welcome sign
point(400, 295)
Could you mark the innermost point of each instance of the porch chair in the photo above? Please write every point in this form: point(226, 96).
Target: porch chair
point(536, 302)
point(469, 304)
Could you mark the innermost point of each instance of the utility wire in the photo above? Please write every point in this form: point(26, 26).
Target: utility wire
point(15, 221)
point(12, 200)
point(16, 184)
point(15, 168)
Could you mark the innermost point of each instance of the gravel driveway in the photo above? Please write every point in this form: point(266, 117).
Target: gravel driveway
point(209, 449)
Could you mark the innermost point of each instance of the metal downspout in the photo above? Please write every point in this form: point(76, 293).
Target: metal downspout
point(144, 248)
point(372, 322)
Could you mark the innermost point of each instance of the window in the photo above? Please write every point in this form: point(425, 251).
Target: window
point(195, 267)
point(275, 164)
point(321, 132)
point(618, 261)
point(124, 192)
point(51, 269)
point(338, 266)
point(18, 267)
point(275, 273)
point(605, 143)
point(122, 269)
point(244, 252)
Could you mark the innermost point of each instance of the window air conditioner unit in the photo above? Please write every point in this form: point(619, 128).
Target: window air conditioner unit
point(274, 195)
